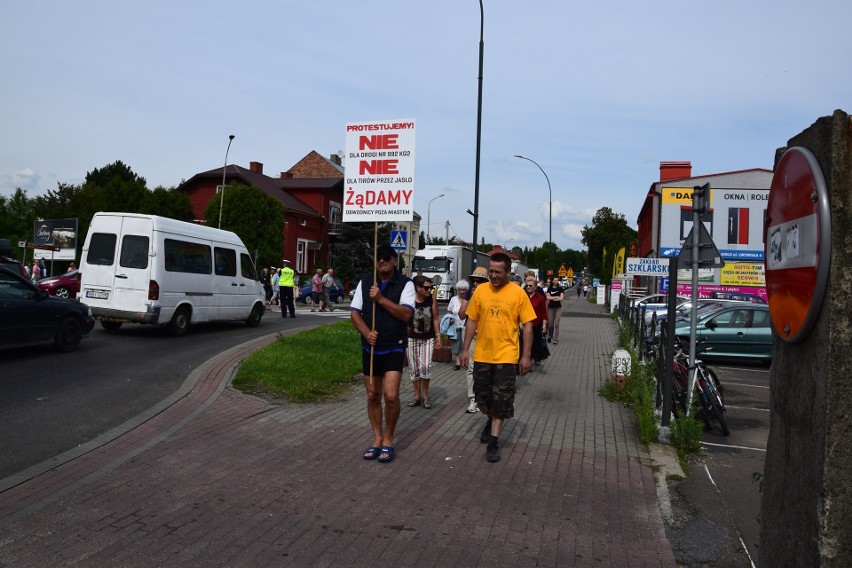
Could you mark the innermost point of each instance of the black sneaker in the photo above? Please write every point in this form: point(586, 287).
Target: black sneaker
point(492, 454)
point(485, 437)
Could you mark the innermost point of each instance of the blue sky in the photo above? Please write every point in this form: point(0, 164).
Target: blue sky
point(596, 93)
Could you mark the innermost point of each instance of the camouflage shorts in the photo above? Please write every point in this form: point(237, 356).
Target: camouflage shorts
point(494, 388)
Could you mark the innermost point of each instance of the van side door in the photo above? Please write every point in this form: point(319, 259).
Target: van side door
point(226, 288)
point(251, 290)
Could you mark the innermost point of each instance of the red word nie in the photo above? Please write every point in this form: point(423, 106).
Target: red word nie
point(378, 167)
point(379, 142)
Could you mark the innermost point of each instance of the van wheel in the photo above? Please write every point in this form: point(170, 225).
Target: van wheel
point(68, 335)
point(111, 325)
point(254, 317)
point(180, 322)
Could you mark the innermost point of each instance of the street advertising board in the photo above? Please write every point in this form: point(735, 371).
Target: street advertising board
point(59, 237)
point(734, 222)
point(615, 294)
point(743, 274)
point(798, 244)
point(706, 291)
point(379, 170)
point(647, 266)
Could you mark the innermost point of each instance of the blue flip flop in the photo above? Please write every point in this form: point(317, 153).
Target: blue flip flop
point(389, 451)
point(372, 453)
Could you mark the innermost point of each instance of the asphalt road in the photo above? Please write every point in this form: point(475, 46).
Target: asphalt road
point(719, 502)
point(51, 402)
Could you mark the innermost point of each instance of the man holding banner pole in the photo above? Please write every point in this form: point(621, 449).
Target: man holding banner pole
point(381, 308)
point(379, 176)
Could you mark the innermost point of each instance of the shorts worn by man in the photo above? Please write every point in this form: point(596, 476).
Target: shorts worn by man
point(384, 338)
point(493, 315)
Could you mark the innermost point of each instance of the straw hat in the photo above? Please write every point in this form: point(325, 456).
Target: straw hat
point(479, 274)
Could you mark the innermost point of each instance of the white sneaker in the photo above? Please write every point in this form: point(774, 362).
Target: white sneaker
point(472, 407)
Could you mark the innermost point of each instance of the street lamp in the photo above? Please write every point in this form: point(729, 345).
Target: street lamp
point(475, 213)
point(550, 201)
point(224, 169)
point(429, 216)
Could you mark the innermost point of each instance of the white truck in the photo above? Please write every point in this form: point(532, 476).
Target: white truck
point(155, 270)
point(446, 265)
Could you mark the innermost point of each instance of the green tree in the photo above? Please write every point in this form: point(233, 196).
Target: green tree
point(609, 231)
point(257, 218)
point(575, 259)
point(16, 219)
point(354, 249)
point(170, 202)
point(114, 187)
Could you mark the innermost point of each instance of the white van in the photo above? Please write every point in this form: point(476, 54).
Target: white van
point(155, 270)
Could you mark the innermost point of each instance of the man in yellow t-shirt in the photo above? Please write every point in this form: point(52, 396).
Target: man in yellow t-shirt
point(493, 315)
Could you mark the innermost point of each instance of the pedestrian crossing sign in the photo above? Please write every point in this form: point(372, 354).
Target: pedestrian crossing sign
point(398, 240)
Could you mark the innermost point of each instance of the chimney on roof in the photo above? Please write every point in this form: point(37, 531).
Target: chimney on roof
point(258, 167)
point(336, 159)
point(286, 175)
point(675, 170)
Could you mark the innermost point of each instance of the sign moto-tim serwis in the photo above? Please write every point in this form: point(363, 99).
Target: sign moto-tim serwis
point(379, 170)
point(798, 244)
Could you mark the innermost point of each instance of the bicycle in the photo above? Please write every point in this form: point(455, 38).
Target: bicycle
point(708, 387)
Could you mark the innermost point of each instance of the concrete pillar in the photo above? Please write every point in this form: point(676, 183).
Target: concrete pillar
point(806, 510)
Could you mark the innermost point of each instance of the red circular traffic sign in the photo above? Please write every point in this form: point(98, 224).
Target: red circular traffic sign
point(797, 244)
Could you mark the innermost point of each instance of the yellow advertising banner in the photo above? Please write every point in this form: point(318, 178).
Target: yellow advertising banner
point(742, 274)
point(679, 196)
point(618, 262)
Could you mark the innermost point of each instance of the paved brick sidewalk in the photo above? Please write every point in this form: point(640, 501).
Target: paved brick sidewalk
point(215, 478)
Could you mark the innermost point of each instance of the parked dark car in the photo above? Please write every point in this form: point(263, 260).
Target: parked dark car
point(31, 315)
point(334, 294)
point(732, 331)
point(7, 262)
point(64, 286)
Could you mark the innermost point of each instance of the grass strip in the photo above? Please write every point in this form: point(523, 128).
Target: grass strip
point(309, 366)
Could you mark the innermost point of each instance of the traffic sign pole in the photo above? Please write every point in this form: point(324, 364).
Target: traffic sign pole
point(693, 314)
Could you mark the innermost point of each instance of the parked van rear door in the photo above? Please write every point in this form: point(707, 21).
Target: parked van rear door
point(132, 274)
point(116, 273)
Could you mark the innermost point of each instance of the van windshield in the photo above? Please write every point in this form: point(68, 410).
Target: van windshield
point(431, 264)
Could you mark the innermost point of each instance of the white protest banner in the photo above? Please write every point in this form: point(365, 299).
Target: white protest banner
point(379, 171)
point(647, 266)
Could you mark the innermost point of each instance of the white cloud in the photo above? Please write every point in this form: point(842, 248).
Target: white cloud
point(26, 179)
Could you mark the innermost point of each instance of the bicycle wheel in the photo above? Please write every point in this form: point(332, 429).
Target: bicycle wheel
point(678, 397)
point(717, 385)
point(704, 407)
point(719, 414)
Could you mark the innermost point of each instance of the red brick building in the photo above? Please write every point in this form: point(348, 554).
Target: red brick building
point(311, 193)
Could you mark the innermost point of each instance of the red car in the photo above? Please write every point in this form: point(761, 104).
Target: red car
point(64, 286)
